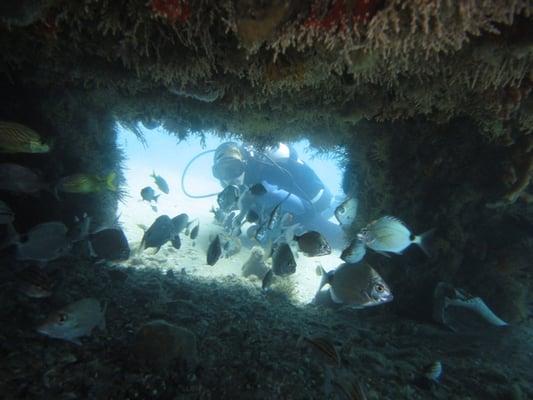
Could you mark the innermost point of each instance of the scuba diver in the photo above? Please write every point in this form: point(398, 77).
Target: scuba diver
point(288, 181)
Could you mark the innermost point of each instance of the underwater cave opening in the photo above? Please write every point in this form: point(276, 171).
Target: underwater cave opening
point(163, 155)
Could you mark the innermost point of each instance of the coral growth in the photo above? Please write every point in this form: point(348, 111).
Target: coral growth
point(171, 10)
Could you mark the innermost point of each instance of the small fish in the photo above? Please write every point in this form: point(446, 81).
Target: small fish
point(75, 320)
point(195, 231)
point(44, 242)
point(160, 182)
point(324, 349)
point(267, 280)
point(148, 194)
point(228, 198)
point(313, 244)
point(80, 230)
point(258, 189)
point(252, 216)
point(109, 244)
point(346, 211)
point(34, 283)
point(7, 216)
point(390, 235)
point(179, 223)
point(354, 253)
point(433, 371)
point(356, 285)
point(214, 251)
point(175, 241)
point(17, 138)
point(18, 179)
point(158, 233)
point(283, 262)
point(87, 183)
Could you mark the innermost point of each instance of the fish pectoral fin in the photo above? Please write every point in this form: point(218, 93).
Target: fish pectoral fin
point(383, 253)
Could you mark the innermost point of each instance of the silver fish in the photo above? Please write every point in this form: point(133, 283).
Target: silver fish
point(346, 211)
point(18, 179)
point(433, 371)
point(228, 198)
point(357, 286)
point(354, 253)
point(390, 235)
point(313, 244)
point(6, 214)
point(75, 320)
point(214, 251)
point(180, 222)
point(283, 262)
point(45, 242)
point(195, 231)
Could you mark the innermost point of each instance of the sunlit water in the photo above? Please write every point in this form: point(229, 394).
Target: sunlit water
point(165, 155)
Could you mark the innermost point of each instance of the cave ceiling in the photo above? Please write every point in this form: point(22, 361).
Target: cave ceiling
point(259, 68)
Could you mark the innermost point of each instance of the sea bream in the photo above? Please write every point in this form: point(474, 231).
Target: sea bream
point(313, 244)
point(346, 211)
point(148, 194)
point(356, 286)
point(354, 253)
point(44, 242)
point(75, 320)
point(390, 235)
point(158, 233)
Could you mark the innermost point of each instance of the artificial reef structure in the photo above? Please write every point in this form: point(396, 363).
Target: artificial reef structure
point(430, 101)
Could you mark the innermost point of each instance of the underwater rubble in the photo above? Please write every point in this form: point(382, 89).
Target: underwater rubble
point(247, 345)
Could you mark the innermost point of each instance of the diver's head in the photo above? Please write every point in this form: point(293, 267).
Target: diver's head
point(228, 163)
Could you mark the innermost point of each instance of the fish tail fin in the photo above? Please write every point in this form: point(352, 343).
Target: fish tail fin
point(325, 278)
point(423, 240)
point(156, 197)
point(110, 181)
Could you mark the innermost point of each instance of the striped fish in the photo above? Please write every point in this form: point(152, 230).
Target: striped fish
point(87, 183)
point(17, 138)
point(324, 349)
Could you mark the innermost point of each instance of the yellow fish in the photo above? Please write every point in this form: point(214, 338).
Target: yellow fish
point(86, 183)
point(17, 138)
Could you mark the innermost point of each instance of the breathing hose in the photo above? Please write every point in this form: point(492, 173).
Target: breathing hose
point(194, 196)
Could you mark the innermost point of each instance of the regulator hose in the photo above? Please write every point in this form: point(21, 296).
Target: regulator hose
point(194, 196)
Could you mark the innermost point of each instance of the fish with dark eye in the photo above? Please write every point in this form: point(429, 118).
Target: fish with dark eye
point(160, 183)
point(195, 231)
point(18, 179)
point(214, 251)
point(75, 320)
point(148, 194)
point(179, 223)
point(313, 244)
point(258, 189)
point(87, 183)
point(158, 233)
point(18, 138)
point(109, 244)
point(354, 253)
point(346, 212)
point(283, 262)
point(44, 242)
point(228, 198)
point(7, 216)
point(356, 286)
point(390, 235)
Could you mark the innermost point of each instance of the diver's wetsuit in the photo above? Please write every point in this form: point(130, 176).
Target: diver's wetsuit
point(282, 172)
